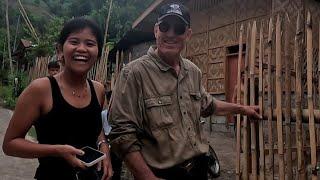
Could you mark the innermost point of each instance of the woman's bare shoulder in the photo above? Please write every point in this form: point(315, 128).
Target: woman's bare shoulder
point(39, 85)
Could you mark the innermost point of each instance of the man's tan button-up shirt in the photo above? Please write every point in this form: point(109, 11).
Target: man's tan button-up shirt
point(157, 112)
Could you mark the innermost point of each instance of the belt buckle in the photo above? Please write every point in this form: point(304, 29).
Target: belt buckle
point(188, 166)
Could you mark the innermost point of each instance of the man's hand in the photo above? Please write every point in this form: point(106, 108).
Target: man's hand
point(138, 167)
point(252, 112)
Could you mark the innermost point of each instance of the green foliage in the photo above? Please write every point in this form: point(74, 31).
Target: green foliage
point(6, 95)
point(48, 16)
point(10, 91)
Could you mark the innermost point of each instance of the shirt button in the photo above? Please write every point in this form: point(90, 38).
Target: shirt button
point(184, 113)
point(180, 97)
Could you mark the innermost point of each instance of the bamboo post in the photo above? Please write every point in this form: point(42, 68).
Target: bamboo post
point(130, 56)
point(8, 37)
point(105, 49)
point(16, 34)
point(261, 95)
point(121, 61)
point(287, 101)
point(107, 27)
point(252, 100)
point(25, 17)
point(245, 118)
point(238, 102)
point(3, 54)
point(298, 93)
point(270, 80)
point(117, 67)
point(278, 99)
point(313, 142)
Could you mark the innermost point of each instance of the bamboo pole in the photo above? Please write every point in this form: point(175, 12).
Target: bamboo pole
point(270, 80)
point(3, 54)
point(121, 60)
point(16, 34)
point(245, 102)
point(298, 92)
point(117, 67)
point(278, 99)
point(287, 101)
point(238, 102)
point(8, 37)
point(130, 56)
point(252, 100)
point(105, 49)
point(313, 142)
point(107, 27)
point(261, 98)
point(25, 16)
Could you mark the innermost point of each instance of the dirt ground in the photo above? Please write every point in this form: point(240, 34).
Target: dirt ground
point(23, 169)
point(224, 146)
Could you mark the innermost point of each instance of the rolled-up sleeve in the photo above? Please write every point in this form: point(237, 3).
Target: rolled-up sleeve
point(125, 114)
point(208, 105)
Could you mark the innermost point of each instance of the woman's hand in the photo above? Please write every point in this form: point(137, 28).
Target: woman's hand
point(69, 154)
point(106, 163)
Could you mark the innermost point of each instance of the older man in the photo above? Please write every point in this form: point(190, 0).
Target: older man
point(157, 104)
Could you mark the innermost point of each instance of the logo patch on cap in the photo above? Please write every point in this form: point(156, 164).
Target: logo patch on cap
point(175, 8)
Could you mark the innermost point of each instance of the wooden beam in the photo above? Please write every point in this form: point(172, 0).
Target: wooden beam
point(238, 148)
point(287, 114)
point(313, 141)
point(8, 37)
point(245, 102)
point(146, 13)
point(278, 99)
point(298, 92)
point(261, 97)
point(252, 101)
point(270, 168)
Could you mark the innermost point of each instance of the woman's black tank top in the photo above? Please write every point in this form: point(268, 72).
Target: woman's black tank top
point(65, 124)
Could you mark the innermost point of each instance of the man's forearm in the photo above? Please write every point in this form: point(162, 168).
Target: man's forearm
point(225, 108)
point(138, 166)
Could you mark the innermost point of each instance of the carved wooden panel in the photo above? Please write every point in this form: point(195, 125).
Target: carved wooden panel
point(216, 55)
point(204, 81)
point(251, 8)
point(197, 44)
point(199, 22)
point(201, 61)
point(222, 36)
point(222, 14)
point(313, 7)
point(287, 5)
point(215, 70)
point(216, 86)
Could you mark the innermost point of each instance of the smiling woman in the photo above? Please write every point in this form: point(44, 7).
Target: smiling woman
point(67, 102)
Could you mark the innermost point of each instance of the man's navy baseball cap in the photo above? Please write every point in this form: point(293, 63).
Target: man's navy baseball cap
point(175, 9)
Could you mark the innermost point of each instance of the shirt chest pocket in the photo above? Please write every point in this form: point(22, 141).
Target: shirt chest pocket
point(158, 114)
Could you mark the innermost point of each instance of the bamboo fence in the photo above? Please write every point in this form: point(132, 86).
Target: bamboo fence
point(39, 68)
point(284, 144)
point(98, 72)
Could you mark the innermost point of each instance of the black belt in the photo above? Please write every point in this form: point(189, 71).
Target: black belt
point(183, 169)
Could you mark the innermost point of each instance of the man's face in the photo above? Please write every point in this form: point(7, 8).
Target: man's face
point(171, 34)
point(53, 71)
